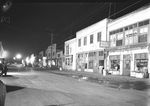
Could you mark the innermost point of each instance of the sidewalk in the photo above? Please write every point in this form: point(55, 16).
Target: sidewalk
point(99, 76)
point(113, 81)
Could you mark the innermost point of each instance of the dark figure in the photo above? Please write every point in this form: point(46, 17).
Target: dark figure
point(2, 93)
point(3, 68)
point(118, 67)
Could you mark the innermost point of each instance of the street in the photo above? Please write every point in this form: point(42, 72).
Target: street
point(37, 88)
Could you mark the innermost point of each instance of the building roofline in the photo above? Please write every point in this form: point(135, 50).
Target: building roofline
point(146, 6)
point(92, 25)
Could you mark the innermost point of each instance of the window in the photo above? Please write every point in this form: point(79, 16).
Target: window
point(79, 42)
point(119, 40)
point(113, 40)
point(91, 39)
point(126, 28)
point(119, 43)
point(85, 40)
point(101, 53)
point(143, 34)
point(142, 38)
point(98, 36)
point(146, 22)
point(91, 64)
point(67, 50)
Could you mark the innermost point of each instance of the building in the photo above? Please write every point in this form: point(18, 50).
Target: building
point(70, 54)
point(40, 59)
point(59, 58)
point(91, 45)
point(51, 55)
point(129, 36)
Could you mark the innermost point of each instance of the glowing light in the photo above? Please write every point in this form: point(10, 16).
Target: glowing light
point(5, 54)
point(32, 59)
point(27, 60)
point(18, 56)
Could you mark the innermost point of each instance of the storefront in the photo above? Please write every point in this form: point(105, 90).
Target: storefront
point(141, 62)
point(114, 64)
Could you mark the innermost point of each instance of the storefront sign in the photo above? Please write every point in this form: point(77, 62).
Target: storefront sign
point(114, 57)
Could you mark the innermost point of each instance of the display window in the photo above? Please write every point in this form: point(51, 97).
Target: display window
point(115, 62)
point(141, 62)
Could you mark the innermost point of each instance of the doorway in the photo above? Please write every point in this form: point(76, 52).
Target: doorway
point(126, 64)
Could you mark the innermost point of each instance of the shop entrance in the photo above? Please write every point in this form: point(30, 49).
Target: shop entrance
point(126, 65)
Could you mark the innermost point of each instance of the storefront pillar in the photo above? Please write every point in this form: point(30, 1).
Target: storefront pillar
point(121, 64)
point(132, 63)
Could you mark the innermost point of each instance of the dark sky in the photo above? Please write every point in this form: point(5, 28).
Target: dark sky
point(28, 23)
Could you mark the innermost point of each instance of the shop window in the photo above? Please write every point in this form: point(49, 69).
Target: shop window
point(141, 62)
point(91, 64)
point(115, 64)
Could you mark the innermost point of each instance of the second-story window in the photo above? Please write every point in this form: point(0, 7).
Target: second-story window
point(85, 40)
point(67, 50)
point(91, 39)
point(79, 42)
point(143, 34)
point(119, 40)
point(98, 36)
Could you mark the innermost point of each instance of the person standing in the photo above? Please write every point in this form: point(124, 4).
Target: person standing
point(2, 93)
point(3, 68)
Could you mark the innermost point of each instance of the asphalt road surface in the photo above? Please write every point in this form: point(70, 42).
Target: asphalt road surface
point(36, 88)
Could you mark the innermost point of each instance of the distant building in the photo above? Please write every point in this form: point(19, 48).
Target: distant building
point(51, 55)
point(40, 58)
point(91, 44)
point(70, 54)
point(59, 58)
point(129, 38)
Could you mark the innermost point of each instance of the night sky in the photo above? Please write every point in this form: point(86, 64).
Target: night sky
point(27, 24)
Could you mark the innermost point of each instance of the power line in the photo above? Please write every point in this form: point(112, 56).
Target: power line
point(124, 8)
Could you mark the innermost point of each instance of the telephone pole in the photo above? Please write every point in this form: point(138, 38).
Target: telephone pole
point(51, 45)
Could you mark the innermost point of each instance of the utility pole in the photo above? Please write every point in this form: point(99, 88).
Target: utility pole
point(51, 44)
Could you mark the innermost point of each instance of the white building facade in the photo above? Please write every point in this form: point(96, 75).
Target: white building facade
point(129, 36)
point(70, 54)
point(91, 43)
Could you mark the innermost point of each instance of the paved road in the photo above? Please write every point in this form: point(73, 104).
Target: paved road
point(46, 89)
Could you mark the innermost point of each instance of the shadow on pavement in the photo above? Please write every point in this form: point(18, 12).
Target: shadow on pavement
point(10, 88)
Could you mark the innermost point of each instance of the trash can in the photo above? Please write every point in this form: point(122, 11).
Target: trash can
point(2, 93)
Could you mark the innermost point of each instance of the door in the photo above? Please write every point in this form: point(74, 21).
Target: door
point(126, 65)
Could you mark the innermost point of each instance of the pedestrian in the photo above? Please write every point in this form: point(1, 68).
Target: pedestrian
point(2, 93)
point(3, 68)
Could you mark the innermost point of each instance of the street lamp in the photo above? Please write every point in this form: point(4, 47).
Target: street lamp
point(18, 56)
